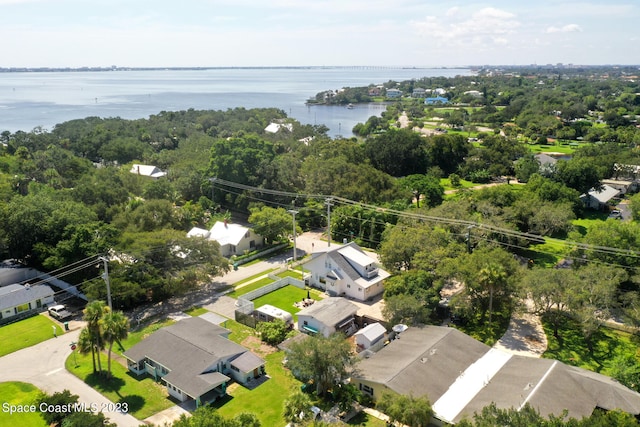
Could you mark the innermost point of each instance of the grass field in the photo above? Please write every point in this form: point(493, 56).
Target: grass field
point(572, 348)
point(250, 287)
point(18, 393)
point(266, 400)
point(284, 298)
point(144, 396)
point(26, 333)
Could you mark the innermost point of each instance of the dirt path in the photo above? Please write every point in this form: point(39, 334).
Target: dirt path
point(525, 335)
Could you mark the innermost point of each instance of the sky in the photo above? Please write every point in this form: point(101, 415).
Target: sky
point(421, 33)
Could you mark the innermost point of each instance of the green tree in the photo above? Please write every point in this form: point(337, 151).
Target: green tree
point(526, 166)
point(325, 361)
point(297, 408)
point(405, 308)
point(115, 327)
point(274, 224)
point(408, 410)
point(63, 398)
point(580, 174)
point(492, 277)
point(274, 332)
point(424, 185)
point(549, 290)
point(93, 315)
point(398, 152)
point(626, 370)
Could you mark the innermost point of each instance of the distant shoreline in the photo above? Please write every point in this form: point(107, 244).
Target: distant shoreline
point(115, 68)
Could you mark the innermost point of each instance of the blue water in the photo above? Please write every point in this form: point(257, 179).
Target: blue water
point(29, 100)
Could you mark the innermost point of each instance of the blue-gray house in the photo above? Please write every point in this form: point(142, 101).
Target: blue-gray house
point(436, 100)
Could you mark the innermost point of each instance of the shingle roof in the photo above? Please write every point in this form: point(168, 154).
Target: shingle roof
point(247, 362)
point(433, 361)
point(188, 349)
point(330, 311)
point(15, 294)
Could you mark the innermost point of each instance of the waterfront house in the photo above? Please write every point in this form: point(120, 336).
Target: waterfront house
point(436, 100)
point(394, 93)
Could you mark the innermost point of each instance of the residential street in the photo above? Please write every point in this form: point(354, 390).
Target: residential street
point(43, 366)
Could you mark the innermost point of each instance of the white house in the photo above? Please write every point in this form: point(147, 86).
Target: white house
point(327, 316)
point(346, 271)
point(194, 359)
point(394, 93)
point(598, 199)
point(147, 170)
point(234, 239)
point(371, 337)
point(16, 299)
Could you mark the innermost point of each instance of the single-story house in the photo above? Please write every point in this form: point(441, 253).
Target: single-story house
point(346, 270)
point(147, 170)
point(194, 359)
point(394, 93)
point(234, 239)
point(624, 186)
point(276, 127)
point(436, 100)
point(460, 376)
point(16, 299)
point(598, 199)
point(474, 93)
point(333, 314)
point(371, 337)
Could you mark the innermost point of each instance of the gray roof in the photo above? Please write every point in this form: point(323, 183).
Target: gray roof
point(188, 349)
point(330, 311)
point(545, 159)
point(15, 295)
point(247, 362)
point(430, 361)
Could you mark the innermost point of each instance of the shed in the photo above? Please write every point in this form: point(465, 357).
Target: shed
point(371, 336)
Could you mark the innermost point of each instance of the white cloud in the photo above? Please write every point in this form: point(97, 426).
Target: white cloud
point(569, 28)
point(453, 11)
point(481, 28)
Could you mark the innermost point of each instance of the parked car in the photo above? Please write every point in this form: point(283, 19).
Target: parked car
point(59, 312)
point(615, 214)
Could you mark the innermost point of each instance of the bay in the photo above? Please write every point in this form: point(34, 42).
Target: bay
point(44, 99)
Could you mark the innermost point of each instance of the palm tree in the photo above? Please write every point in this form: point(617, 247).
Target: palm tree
point(115, 327)
point(85, 345)
point(492, 277)
point(295, 405)
point(93, 313)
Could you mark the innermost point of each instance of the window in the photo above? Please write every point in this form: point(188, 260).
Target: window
point(38, 303)
point(23, 307)
point(366, 389)
point(349, 286)
point(252, 244)
point(235, 369)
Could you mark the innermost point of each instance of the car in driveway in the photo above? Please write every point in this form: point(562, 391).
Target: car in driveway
point(59, 312)
point(615, 214)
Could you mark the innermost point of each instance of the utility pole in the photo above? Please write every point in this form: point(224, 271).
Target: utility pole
point(293, 212)
point(329, 202)
point(105, 276)
point(469, 238)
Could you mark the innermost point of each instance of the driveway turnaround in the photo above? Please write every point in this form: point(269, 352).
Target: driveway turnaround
point(43, 366)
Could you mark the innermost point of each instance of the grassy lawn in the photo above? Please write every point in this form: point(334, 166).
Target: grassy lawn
point(590, 218)
point(18, 393)
point(138, 335)
point(144, 396)
point(250, 287)
point(26, 333)
point(266, 400)
point(480, 329)
point(365, 420)
point(572, 348)
point(239, 332)
point(196, 311)
point(284, 298)
point(255, 276)
point(547, 254)
point(296, 274)
point(446, 183)
point(538, 148)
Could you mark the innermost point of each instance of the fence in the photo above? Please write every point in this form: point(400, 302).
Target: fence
point(245, 307)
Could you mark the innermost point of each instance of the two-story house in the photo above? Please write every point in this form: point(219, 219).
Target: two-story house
point(346, 271)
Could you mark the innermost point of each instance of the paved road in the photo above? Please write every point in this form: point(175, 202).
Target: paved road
point(43, 366)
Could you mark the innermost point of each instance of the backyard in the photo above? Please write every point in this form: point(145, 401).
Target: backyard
point(284, 298)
